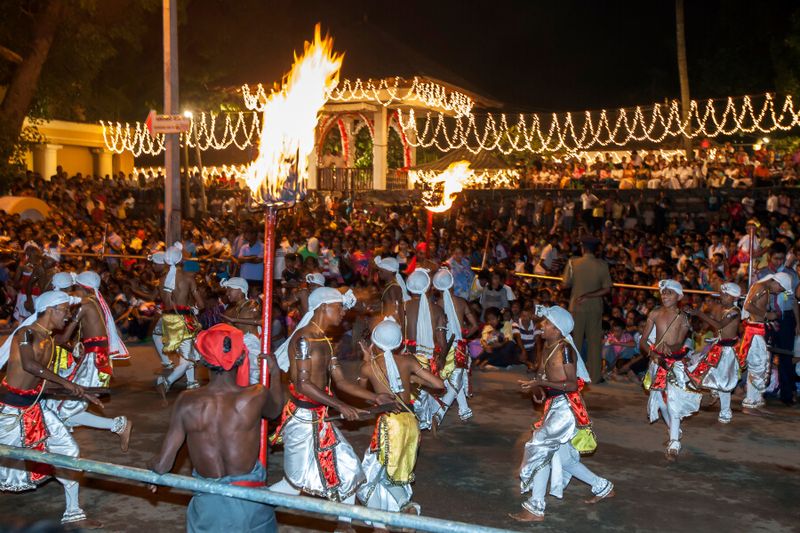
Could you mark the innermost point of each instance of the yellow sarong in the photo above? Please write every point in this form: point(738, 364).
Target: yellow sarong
point(177, 328)
point(395, 440)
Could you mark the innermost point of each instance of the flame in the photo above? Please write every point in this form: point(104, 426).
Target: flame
point(454, 179)
point(289, 121)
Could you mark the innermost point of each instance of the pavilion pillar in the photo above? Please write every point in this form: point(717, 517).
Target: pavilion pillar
point(380, 150)
point(45, 159)
point(411, 138)
point(103, 162)
point(312, 169)
point(349, 140)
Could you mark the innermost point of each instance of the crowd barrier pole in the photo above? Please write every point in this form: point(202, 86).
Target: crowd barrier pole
point(615, 285)
point(299, 503)
point(121, 256)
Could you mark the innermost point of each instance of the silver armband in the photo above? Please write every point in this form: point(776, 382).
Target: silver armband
point(302, 350)
point(27, 338)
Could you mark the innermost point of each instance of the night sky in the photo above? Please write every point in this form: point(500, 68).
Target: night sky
point(531, 55)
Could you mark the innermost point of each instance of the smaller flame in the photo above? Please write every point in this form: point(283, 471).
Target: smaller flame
point(290, 117)
point(453, 179)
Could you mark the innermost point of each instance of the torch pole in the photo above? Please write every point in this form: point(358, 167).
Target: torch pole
point(270, 214)
point(429, 228)
point(750, 259)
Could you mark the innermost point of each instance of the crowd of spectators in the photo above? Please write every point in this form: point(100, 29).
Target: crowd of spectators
point(489, 246)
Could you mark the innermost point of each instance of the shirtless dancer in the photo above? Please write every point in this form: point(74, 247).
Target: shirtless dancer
point(27, 280)
point(394, 294)
point(564, 432)
point(179, 324)
point(158, 330)
point(89, 364)
point(24, 420)
point(424, 332)
point(753, 349)
point(313, 446)
point(245, 315)
point(461, 324)
point(663, 341)
point(220, 423)
point(301, 293)
point(718, 369)
point(389, 461)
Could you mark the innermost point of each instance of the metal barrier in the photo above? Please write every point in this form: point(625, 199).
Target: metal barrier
point(300, 503)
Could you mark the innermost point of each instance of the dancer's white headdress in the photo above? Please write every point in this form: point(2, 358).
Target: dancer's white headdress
point(672, 285)
point(63, 280)
point(172, 257)
point(443, 281)
point(43, 301)
point(322, 295)
point(116, 348)
point(315, 278)
point(391, 264)
point(563, 321)
point(731, 289)
point(418, 283)
point(388, 336)
point(236, 283)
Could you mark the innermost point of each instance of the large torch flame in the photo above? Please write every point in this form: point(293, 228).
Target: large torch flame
point(289, 121)
point(453, 179)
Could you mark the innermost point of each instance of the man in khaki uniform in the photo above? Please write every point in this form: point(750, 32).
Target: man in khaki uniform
point(590, 280)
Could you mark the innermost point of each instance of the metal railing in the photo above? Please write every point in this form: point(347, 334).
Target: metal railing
point(344, 179)
point(298, 503)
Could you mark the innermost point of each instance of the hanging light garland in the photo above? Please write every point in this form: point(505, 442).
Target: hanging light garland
point(478, 179)
point(235, 172)
point(208, 131)
point(536, 134)
point(385, 92)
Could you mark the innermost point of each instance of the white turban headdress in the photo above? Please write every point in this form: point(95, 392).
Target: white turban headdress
point(315, 278)
point(731, 289)
point(390, 264)
point(782, 278)
point(157, 258)
point(116, 348)
point(418, 283)
point(443, 281)
point(172, 257)
point(672, 285)
point(236, 283)
point(562, 320)
point(63, 280)
point(43, 302)
point(53, 254)
point(388, 337)
point(322, 295)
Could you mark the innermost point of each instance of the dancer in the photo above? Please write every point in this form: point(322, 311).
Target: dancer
point(300, 294)
point(179, 323)
point(753, 349)
point(245, 315)
point(717, 369)
point(564, 431)
point(389, 461)
point(24, 421)
point(317, 458)
point(461, 324)
point(425, 325)
point(207, 418)
point(663, 341)
point(158, 330)
point(90, 362)
point(394, 295)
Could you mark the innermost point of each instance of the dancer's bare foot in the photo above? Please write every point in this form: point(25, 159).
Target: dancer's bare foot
point(756, 411)
point(125, 436)
point(596, 499)
point(80, 525)
point(435, 428)
point(161, 388)
point(344, 527)
point(671, 455)
point(525, 516)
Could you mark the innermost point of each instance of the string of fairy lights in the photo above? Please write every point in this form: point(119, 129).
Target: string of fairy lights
point(523, 133)
point(386, 92)
point(501, 178)
point(583, 131)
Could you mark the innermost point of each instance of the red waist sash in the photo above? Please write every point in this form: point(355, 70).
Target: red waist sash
point(99, 347)
point(751, 329)
point(34, 430)
point(575, 404)
point(665, 362)
point(709, 361)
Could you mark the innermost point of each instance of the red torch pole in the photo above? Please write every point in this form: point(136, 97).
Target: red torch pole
point(429, 228)
point(270, 214)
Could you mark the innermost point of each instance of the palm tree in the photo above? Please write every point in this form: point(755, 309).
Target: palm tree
point(683, 72)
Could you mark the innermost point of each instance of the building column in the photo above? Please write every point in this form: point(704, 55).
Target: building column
point(349, 133)
point(45, 159)
point(380, 150)
point(116, 164)
point(411, 137)
point(103, 162)
point(312, 170)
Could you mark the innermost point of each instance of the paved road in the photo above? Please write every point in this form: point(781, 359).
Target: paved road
point(742, 477)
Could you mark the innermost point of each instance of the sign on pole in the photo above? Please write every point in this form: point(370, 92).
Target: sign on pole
point(167, 123)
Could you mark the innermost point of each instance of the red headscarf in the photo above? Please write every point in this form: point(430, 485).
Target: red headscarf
point(222, 345)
